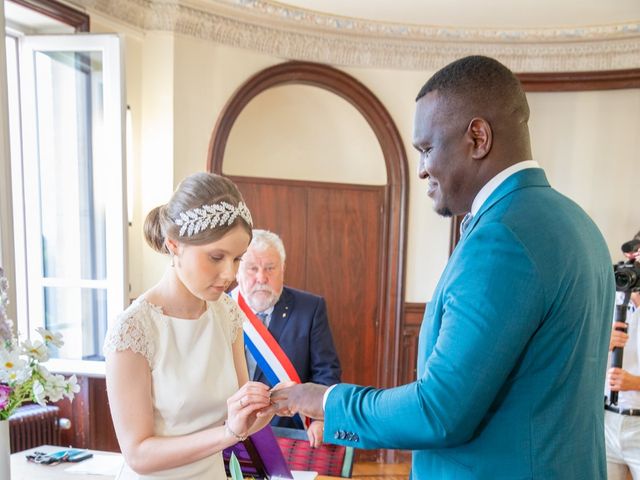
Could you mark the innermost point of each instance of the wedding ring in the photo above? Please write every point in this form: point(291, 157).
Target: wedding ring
point(242, 402)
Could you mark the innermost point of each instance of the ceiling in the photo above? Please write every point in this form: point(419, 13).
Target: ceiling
point(508, 14)
point(527, 35)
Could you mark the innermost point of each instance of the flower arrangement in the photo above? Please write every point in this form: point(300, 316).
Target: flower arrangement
point(23, 378)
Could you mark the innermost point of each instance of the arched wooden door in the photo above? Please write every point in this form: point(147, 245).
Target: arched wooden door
point(345, 242)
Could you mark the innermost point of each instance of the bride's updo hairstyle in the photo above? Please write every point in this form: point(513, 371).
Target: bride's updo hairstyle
point(217, 194)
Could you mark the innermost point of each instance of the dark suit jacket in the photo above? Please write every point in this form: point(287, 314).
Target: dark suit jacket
point(512, 351)
point(299, 324)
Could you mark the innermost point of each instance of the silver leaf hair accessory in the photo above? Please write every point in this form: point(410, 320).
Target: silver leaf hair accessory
point(211, 216)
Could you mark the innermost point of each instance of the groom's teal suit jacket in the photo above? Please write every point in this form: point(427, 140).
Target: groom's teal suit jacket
point(512, 351)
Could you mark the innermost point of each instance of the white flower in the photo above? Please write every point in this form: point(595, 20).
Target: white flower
point(50, 337)
point(36, 350)
point(22, 376)
point(42, 370)
point(55, 387)
point(39, 394)
point(71, 387)
point(11, 365)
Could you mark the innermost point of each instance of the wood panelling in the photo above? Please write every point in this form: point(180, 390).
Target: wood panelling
point(281, 207)
point(102, 434)
point(411, 323)
point(332, 238)
point(454, 232)
point(412, 320)
point(409, 354)
point(344, 263)
point(91, 423)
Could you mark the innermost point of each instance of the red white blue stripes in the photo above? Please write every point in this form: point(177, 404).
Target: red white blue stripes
point(269, 356)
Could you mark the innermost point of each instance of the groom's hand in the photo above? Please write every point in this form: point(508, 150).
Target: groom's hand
point(303, 398)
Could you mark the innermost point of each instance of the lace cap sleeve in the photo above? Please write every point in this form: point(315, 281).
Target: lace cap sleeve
point(236, 317)
point(131, 332)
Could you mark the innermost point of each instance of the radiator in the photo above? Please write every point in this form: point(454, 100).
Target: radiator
point(33, 425)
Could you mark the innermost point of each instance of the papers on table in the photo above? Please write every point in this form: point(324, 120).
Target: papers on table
point(300, 475)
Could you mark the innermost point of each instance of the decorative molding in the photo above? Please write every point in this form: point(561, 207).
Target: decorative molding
point(297, 34)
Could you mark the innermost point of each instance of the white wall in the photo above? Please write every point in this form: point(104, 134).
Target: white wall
point(588, 142)
point(589, 145)
point(297, 132)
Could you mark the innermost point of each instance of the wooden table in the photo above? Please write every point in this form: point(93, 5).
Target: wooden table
point(21, 469)
point(376, 471)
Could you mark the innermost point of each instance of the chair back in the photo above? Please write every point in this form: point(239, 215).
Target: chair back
point(332, 460)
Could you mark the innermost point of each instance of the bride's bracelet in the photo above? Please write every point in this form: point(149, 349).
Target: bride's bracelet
point(240, 438)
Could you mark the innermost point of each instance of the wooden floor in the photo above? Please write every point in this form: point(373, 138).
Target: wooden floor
point(392, 471)
point(389, 471)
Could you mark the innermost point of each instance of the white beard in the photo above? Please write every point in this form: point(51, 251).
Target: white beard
point(262, 300)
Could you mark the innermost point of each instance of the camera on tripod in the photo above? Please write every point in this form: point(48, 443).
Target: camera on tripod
point(627, 276)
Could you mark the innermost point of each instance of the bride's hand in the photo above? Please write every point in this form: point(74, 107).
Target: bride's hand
point(243, 406)
point(271, 410)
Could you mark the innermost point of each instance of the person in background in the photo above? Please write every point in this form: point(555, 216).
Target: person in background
point(296, 319)
point(512, 350)
point(622, 421)
point(176, 374)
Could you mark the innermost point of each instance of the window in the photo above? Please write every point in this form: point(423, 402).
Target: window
point(68, 182)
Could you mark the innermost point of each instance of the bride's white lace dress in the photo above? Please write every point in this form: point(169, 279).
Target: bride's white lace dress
point(192, 373)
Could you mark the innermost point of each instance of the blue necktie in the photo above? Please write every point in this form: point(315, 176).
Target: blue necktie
point(465, 223)
point(263, 318)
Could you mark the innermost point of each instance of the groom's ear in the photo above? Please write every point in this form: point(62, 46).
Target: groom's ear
point(480, 136)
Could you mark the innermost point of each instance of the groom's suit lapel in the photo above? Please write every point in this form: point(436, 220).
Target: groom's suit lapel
point(533, 177)
point(530, 177)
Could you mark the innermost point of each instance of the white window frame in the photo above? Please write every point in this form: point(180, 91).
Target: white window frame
point(27, 231)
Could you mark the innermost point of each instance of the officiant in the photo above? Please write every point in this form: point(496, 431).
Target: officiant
point(297, 321)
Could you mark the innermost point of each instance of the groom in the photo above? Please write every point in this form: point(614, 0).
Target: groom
point(513, 345)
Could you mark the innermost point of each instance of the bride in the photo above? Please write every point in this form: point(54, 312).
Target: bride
point(176, 372)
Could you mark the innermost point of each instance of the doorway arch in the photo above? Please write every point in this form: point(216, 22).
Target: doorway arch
point(393, 241)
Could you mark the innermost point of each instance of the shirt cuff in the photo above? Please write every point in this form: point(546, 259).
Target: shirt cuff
point(326, 394)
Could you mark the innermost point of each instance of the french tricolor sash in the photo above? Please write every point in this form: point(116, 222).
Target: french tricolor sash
point(269, 356)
